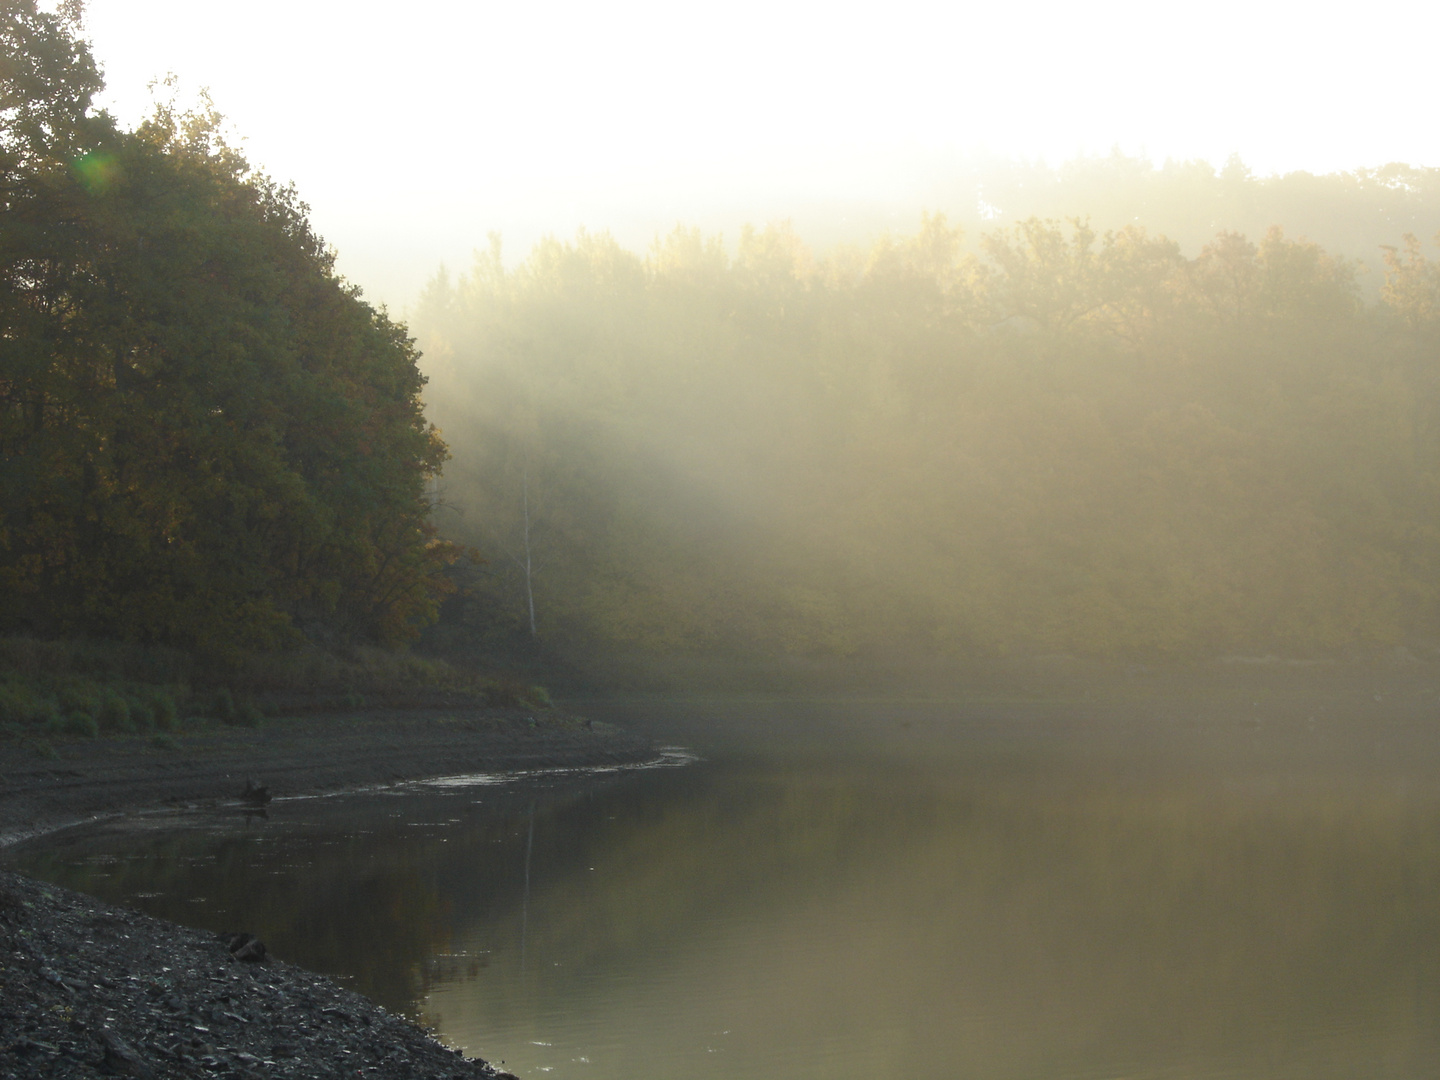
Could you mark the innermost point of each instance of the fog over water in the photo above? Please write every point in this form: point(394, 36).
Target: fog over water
point(1168, 888)
point(1024, 419)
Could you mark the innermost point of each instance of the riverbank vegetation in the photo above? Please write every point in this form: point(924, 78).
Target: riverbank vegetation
point(60, 691)
point(1199, 434)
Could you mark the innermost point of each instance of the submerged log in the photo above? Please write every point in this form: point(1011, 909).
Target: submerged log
point(245, 947)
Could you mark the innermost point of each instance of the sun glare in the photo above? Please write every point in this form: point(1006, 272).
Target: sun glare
point(542, 117)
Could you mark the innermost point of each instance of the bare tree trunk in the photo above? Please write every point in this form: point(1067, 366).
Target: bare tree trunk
point(524, 558)
point(529, 564)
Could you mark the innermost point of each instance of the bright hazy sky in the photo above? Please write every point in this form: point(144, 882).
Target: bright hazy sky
point(414, 128)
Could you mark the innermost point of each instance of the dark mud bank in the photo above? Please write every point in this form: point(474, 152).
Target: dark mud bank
point(88, 989)
point(82, 778)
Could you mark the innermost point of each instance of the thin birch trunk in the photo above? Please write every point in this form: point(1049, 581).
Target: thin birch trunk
point(529, 565)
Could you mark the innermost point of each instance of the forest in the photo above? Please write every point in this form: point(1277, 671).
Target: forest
point(1122, 412)
point(1047, 440)
point(207, 438)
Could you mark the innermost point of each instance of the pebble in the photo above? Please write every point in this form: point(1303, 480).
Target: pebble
point(91, 990)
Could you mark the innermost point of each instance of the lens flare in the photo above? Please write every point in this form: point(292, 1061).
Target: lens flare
point(96, 172)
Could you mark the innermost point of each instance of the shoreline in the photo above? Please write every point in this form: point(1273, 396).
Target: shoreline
point(92, 779)
point(89, 989)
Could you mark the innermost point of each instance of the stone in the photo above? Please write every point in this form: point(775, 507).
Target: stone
point(244, 947)
point(121, 1060)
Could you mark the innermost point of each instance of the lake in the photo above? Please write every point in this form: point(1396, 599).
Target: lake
point(864, 889)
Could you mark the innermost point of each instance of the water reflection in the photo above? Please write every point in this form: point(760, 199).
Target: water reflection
point(833, 915)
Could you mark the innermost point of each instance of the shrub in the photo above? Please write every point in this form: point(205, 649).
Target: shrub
point(164, 741)
point(167, 717)
point(223, 706)
point(141, 715)
point(512, 693)
point(21, 705)
point(80, 722)
point(12, 710)
point(115, 712)
point(79, 699)
point(247, 715)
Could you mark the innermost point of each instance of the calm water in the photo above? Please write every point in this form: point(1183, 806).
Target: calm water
point(865, 891)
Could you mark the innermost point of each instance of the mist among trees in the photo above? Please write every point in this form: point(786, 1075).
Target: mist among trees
point(1206, 424)
point(1041, 439)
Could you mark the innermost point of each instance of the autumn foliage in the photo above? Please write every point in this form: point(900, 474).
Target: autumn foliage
point(206, 437)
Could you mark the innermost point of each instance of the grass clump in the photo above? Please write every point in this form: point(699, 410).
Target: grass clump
point(83, 689)
point(82, 724)
point(80, 689)
point(243, 713)
point(358, 669)
point(167, 715)
point(248, 715)
point(81, 660)
point(515, 694)
point(222, 706)
point(142, 715)
point(21, 705)
point(114, 713)
point(80, 698)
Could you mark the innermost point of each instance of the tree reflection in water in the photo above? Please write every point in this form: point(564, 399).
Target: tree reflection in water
point(993, 913)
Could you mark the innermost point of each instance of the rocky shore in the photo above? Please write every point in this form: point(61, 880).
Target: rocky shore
point(88, 989)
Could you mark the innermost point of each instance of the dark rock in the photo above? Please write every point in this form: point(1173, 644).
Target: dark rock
point(252, 951)
point(157, 1000)
point(10, 904)
point(24, 1046)
point(121, 1060)
point(244, 947)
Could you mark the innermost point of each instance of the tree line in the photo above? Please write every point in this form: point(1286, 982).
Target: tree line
point(206, 436)
point(1034, 437)
point(1052, 440)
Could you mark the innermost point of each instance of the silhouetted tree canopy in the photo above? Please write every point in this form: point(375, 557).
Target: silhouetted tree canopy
point(206, 437)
